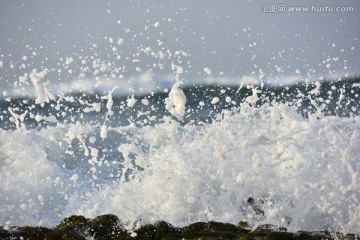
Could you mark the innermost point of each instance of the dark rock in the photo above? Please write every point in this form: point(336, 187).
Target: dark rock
point(213, 230)
point(280, 236)
point(145, 232)
point(106, 227)
point(78, 223)
point(244, 224)
point(106, 220)
point(165, 230)
point(160, 230)
point(247, 238)
point(35, 233)
point(109, 227)
point(102, 227)
point(312, 236)
point(267, 231)
point(262, 230)
point(243, 228)
point(4, 234)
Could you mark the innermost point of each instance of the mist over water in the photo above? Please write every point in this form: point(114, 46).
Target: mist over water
point(179, 112)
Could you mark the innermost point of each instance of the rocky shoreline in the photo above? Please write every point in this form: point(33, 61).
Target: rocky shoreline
point(107, 227)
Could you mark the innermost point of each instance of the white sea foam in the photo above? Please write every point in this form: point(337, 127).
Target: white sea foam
point(176, 101)
point(91, 132)
point(42, 93)
point(302, 173)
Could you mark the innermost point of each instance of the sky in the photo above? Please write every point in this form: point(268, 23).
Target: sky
point(230, 38)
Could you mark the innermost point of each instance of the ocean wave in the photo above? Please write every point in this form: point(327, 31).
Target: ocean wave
point(263, 163)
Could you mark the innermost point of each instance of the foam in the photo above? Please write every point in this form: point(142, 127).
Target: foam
point(176, 101)
point(302, 173)
point(42, 93)
point(95, 134)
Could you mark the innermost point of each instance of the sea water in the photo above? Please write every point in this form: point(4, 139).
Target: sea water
point(181, 113)
point(283, 155)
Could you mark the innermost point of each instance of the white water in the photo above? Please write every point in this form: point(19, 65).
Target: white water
point(302, 173)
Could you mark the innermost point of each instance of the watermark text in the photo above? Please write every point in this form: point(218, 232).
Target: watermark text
point(282, 8)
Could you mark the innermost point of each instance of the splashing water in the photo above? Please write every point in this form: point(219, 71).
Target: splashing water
point(301, 173)
point(163, 144)
point(175, 103)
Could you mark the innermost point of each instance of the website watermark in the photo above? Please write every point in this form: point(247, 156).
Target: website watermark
point(282, 8)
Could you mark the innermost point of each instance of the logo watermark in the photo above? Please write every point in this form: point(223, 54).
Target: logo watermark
point(282, 8)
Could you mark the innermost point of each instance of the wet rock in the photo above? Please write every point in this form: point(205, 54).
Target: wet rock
point(160, 230)
point(248, 238)
point(4, 234)
point(145, 232)
point(106, 227)
point(324, 235)
point(43, 233)
point(211, 230)
point(109, 227)
point(74, 224)
point(106, 220)
point(261, 231)
point(305, 236)
point(167, 231)
point(243, 228)
point(77, 223)
point(280, 236)
point(102, 227)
